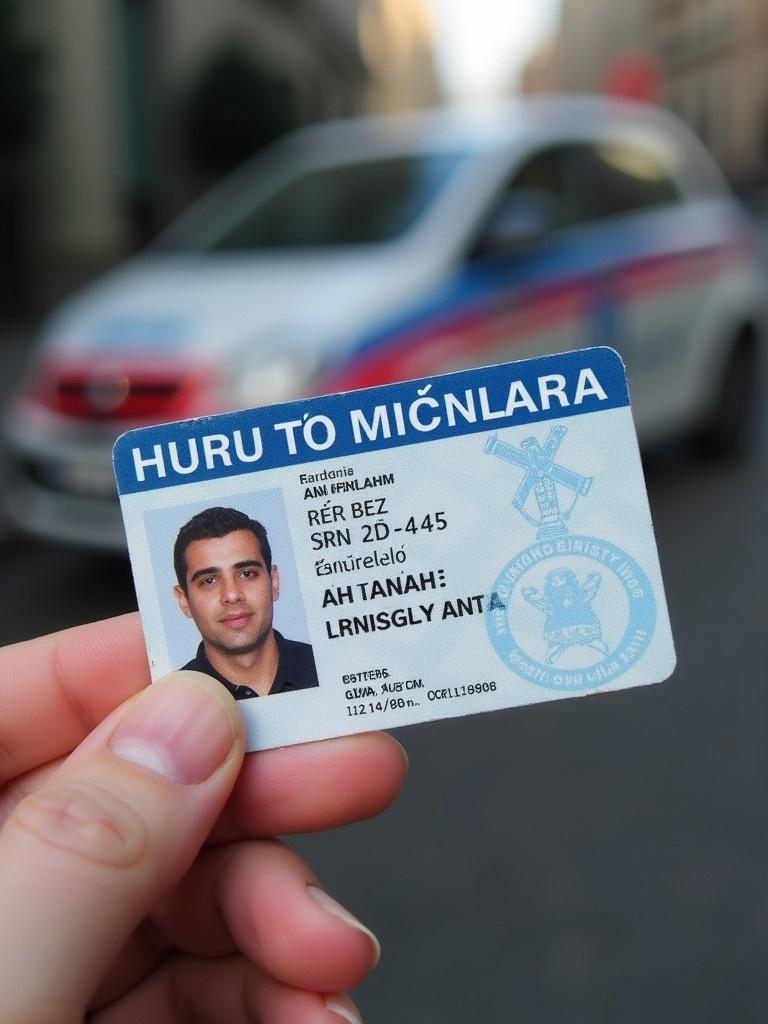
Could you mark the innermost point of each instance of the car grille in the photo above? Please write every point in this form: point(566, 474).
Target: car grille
point(118, 397)
point(95, 482)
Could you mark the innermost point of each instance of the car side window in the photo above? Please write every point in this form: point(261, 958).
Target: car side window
point(541, 172)
point(593, 180)
point(606, 179)
point(573, 183)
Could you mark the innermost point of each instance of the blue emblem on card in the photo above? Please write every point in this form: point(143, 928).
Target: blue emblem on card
point(569, 612)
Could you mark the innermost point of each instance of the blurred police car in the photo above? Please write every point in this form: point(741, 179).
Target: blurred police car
point(359, 252)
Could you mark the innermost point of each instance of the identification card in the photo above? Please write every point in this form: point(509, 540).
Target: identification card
point(462, 543)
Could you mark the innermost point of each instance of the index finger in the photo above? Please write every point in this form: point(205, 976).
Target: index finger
point(55, 689)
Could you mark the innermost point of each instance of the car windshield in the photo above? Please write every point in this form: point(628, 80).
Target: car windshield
point(360, 203)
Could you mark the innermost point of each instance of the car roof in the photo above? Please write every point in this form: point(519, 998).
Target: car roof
point(475, 126)
point(489, 136)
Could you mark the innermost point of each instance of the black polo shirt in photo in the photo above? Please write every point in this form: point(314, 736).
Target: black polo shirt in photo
point(295, 669)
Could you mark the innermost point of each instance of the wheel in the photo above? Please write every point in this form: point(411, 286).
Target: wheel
point(727, 431)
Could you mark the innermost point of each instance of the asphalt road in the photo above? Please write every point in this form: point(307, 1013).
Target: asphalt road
point(594, 860)
point(600, 859)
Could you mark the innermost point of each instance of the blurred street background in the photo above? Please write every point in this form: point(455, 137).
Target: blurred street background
point(597, 860)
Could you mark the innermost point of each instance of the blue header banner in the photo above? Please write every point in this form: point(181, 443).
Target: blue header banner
point(391, 416)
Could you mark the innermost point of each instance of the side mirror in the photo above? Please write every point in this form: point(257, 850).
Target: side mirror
point(523, 216)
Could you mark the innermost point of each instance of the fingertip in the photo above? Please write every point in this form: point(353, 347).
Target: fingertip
point(315, 786)
point(384, 762)
point(403, 752)
point(377, 753)
point(184, 728)
point(332, 906)
point(280, 918)
point(211, 686)
point(341, 1006)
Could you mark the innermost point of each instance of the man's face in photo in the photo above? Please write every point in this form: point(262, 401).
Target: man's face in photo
point(230, 591)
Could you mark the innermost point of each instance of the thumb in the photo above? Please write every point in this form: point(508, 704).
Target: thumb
point(86, 857)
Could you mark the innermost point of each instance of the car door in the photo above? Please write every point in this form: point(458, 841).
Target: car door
point(539, 286)
point(507, 296)
point(633, 217)
point(569, 271)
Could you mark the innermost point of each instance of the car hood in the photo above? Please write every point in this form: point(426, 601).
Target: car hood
point(208, 307)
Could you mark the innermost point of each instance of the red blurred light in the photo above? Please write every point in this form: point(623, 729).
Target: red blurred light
point(122, 392)
point(634, 76)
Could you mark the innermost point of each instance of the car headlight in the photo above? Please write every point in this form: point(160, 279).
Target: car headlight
point(277, 378)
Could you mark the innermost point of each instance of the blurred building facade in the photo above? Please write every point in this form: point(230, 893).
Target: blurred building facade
point(135, 90)
point(397, 42)
point(707, 60)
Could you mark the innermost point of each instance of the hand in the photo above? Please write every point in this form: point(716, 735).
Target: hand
point(134, 880)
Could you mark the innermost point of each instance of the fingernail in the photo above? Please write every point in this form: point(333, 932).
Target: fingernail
point(177, 729)
point(404, 752)
point(344, 1007)
point(329, 903)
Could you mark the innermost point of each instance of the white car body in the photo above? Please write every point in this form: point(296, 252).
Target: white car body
point(206, 326)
